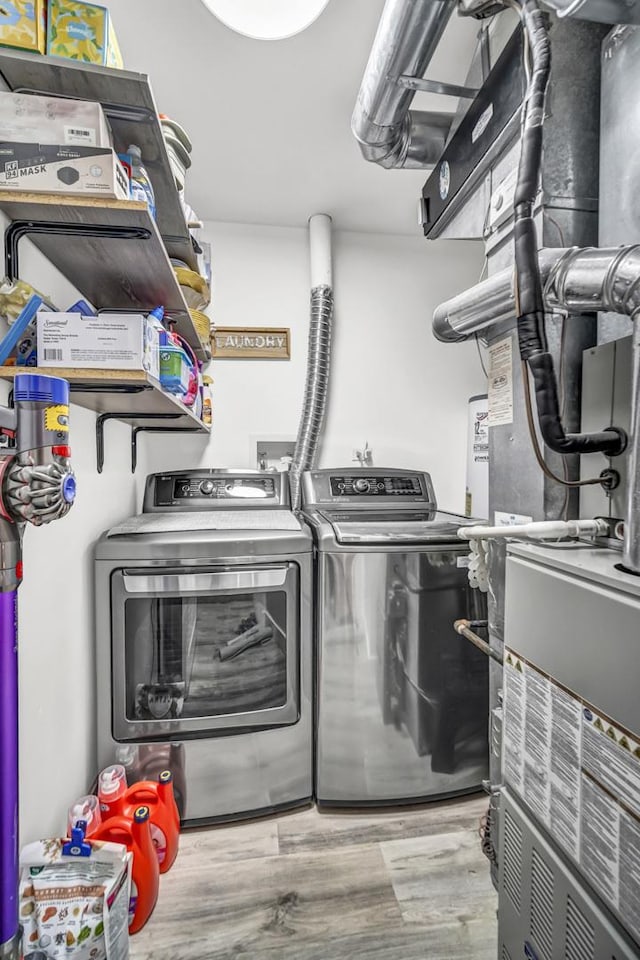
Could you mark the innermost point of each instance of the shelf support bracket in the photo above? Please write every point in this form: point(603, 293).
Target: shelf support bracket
point(22, 228)
point(103, 417)
point(436, 86)
point(136, 430)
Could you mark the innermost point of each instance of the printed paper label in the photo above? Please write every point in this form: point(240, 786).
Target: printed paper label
point(86, 136)
point(580, 775)
point(501, 383)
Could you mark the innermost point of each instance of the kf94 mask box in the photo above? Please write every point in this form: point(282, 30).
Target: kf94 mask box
point(42, 168)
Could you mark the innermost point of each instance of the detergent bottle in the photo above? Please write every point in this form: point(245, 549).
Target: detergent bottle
point(165, 820)
point(87, 809)
point(135, 834)
point(112, 786)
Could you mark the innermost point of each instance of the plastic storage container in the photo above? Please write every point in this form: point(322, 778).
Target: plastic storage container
point(175, 370)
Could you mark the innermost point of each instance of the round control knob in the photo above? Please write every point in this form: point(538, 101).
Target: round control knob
point(207, 487)
point(361, 485)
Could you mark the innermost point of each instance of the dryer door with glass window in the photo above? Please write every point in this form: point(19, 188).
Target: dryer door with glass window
point(200, 651)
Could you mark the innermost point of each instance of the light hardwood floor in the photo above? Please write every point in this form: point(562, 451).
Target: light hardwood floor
point(398, 885)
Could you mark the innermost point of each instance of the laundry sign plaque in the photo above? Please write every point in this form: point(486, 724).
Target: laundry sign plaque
point(251, 343)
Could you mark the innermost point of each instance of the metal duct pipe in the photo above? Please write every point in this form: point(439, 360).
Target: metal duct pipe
point(578, 281)
point(319, 353)
point(388, 132)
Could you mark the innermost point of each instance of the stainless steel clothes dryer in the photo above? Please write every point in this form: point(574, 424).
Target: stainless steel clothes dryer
point(402, 700)
point(204, 634)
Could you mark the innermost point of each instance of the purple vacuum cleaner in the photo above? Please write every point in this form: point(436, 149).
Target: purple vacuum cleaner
point(36, 486)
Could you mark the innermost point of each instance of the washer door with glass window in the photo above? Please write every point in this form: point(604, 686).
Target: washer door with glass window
point(204, 651)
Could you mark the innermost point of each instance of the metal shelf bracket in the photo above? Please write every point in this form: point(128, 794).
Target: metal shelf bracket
point(22, 228)
point(136, 430)
point(103, 417)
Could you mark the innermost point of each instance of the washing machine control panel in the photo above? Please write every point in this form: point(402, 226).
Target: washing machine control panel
point(200, 491)
point(376, 485)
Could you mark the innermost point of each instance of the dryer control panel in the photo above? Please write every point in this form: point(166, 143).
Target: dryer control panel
point(215, 490)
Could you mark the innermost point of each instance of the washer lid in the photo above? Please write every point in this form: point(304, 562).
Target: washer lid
point(418, 526)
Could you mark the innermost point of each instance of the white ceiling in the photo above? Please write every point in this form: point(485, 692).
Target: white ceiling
point(270, 120)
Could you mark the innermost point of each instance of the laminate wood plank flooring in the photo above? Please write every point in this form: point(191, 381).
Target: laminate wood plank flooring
point(403, 884)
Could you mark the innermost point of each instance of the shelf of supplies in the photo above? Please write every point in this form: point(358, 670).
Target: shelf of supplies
point(128, 102)
point(117, 392)
point(111, 273)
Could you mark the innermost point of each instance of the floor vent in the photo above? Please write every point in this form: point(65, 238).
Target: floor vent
point(512, 860)
point(542, 906)
point(580, 943)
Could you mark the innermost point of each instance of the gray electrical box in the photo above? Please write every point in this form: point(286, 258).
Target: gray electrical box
point(606, 402)
point(570, 810)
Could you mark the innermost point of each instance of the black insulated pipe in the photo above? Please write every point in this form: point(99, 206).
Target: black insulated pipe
point(529, 293)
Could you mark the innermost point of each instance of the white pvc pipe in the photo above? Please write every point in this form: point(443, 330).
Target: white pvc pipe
point(320, 250)
point(541, 530)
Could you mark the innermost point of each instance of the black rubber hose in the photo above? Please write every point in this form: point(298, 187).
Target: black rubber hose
point(611, 441)
point(529, 293)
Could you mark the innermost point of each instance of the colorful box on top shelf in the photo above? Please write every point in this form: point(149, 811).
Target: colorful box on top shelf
point(23, 25)
point(82, 31)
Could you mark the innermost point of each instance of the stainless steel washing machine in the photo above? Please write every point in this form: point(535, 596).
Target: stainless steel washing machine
point(204, 637)
point(402, 700)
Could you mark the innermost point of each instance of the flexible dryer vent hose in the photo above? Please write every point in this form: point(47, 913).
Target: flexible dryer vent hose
point(316, 388)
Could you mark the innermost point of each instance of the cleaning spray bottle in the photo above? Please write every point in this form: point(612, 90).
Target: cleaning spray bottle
point(141, 188)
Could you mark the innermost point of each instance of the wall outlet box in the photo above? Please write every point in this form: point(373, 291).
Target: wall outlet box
point(38, 168)
point(24, 25)
point(25, 118)
point(113, 341)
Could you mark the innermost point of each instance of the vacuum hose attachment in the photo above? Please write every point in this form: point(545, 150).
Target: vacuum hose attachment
point(528, 284)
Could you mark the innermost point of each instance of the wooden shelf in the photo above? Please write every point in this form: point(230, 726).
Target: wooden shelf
point(111, 273)
point(128, 102)
point(151, 398)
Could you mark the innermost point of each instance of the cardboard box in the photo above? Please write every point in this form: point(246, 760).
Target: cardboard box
point(82, 31)
point(37, 168)
point(25, 118)
point(23, 25)
point(115, 341)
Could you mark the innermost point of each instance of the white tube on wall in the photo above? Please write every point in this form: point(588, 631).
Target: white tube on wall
point(320, 250)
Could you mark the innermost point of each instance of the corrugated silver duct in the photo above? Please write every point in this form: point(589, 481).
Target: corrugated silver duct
point(578, 281)
point(388, 132)
point(319, 354)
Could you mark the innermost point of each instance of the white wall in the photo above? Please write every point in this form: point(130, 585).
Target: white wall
point(392, 383)
point(57, 731)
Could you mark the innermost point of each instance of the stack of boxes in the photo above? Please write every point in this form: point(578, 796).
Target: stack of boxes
point(53, 145)
point(60, 28)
